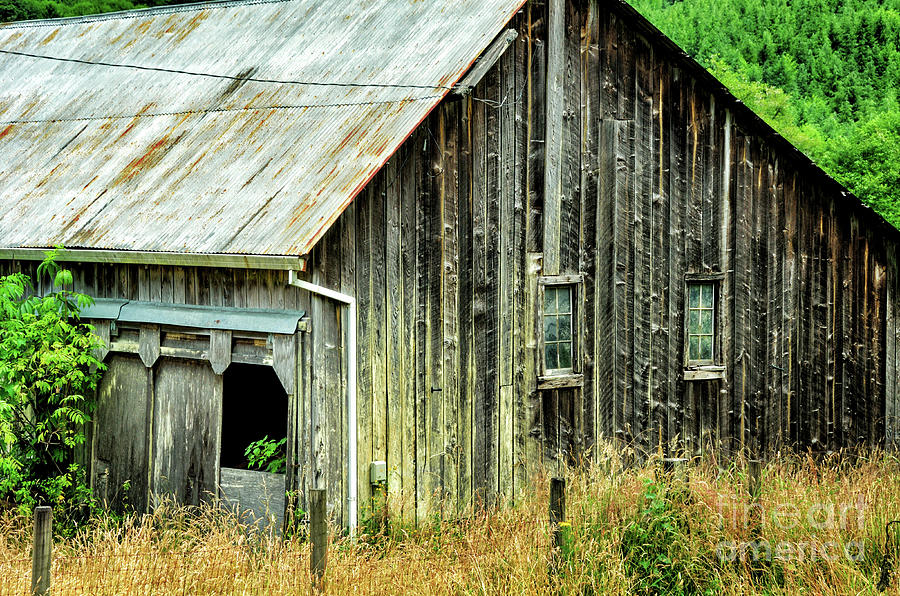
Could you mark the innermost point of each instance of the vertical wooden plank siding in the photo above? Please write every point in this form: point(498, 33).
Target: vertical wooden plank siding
point(661, 242)
point(624, 236)
point(774, 349)
point(477, 295)
point(892, 355)
point(605, 293)
point(890, 352)
point(394, 332)
point(554, 147)
point(121, 425)
point(345, 280)
point(408, 188)
point(471, 169)
point(365, 322)
point(506, 239)
point(435, 427)
point(642, 248)
point(329, 340)
point(590, 123)
point(516, 243)
point(675, 258)
point(449, 299)
point(520, 390)
point(467, 371)
point(379, 322)
point(423, 172)
point(536, 118)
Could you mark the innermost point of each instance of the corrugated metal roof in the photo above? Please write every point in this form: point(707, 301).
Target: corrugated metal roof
point(119, 158)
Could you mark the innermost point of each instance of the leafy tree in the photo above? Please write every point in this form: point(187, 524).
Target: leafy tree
point(823, 73)
point(868, 161)
point(21, 10)
point(48, 373)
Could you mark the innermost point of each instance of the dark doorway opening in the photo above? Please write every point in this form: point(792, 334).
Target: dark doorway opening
point(254, 405)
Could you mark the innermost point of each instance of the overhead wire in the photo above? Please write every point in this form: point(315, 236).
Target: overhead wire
point(223, 76)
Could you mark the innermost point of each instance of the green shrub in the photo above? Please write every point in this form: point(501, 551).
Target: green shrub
point(48, 375)
point(656, 546)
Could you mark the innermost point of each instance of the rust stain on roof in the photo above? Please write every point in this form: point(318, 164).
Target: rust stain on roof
point(144, 26)
point(191, 25)
point(89, 182)
point(236, 84)
point(134, 121)
point(151, 156)
point(50, 37)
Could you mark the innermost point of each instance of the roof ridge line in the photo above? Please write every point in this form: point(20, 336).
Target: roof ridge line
point(133, 13)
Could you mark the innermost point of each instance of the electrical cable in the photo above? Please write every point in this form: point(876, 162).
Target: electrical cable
point(222, 76)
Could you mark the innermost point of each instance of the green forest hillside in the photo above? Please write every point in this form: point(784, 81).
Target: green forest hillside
point(824, 73)
point(22, 10)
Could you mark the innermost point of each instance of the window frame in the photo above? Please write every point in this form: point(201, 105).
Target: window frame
point(558, 378)
point(703, 370)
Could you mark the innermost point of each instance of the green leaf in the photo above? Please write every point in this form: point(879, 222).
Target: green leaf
point(63, 278)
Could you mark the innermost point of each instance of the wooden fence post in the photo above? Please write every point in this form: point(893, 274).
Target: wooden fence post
point(40, 555)
point(557, 510)
point(754, 478)
point(318, 536)
point(754, 489)
point(675, 467)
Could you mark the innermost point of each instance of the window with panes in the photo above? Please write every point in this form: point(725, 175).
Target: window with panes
point(559, 348)
point(701, 323)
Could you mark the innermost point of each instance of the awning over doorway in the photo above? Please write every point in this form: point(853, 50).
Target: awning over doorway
point(189, 315)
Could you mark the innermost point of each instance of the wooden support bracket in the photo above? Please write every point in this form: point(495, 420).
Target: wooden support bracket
point(284, 356)
point(148, 345)
point(219, 350)
point(102, 330)
point(488, 59)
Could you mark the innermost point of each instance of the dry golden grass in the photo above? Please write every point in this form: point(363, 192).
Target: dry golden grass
point(620, 520)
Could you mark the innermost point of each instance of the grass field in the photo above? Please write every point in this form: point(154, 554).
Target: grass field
point(817, 528)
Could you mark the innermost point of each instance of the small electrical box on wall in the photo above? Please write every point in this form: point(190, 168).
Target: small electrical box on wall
point(378, 472)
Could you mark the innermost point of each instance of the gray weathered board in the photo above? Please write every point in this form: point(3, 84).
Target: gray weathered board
point(256, 497)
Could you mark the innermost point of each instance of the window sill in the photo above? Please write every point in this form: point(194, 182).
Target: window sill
point(704, 373)
point(560, 381)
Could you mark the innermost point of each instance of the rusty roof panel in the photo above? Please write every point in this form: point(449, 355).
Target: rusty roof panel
point(107, 157)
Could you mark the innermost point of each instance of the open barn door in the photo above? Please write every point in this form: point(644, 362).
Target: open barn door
point(188, 388)
point(254, 409)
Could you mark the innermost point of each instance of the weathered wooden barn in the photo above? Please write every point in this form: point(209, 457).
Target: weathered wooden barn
point(462, 237)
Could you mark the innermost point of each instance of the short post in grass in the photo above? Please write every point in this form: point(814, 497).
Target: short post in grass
point(318, 537)
point(557, 517)
point(754, 489)
point(675, 467)
point(887, 563)
point(754, 478)
point(40, 555)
